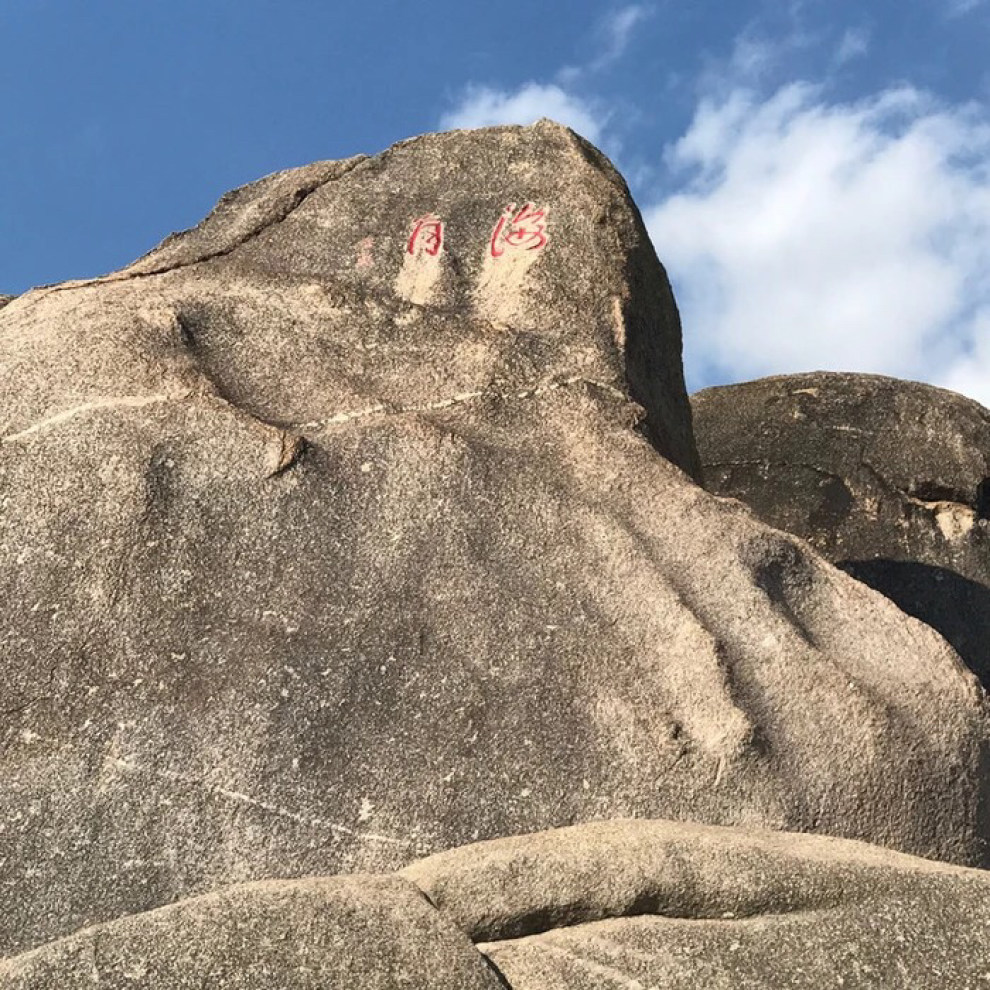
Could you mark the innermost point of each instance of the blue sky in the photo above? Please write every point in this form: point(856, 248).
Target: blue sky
point(814, 174)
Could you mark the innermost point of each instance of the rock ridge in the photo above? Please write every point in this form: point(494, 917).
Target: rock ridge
point(629, 902)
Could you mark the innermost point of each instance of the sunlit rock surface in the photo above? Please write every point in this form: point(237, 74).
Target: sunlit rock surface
point(359, 523)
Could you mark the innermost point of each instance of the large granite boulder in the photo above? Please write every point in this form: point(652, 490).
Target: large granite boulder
point(630, 904)
point(889, 479)
point(331, 535)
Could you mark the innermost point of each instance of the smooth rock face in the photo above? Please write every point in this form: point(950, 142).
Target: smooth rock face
point(320, 552)
point(619, 903)
point(889, 479)
point(373, 933)
point(661, 904)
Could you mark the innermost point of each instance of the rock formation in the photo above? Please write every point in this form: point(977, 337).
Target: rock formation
point(888, 479)
point(360, 523)
point(608, 904)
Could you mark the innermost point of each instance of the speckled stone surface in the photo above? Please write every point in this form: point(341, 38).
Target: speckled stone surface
point(331, 537)
point(630, 904)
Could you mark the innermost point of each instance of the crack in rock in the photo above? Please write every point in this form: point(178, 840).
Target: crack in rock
point(56, 419)
point(461, 398)
point(269, 807)
point(297, 200)
point(292, 446)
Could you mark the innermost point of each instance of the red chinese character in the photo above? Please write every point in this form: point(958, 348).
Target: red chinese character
point(526, 229)
point(429, 228)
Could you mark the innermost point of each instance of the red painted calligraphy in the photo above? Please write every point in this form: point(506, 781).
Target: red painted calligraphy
point(525, 229)
point(427, 235)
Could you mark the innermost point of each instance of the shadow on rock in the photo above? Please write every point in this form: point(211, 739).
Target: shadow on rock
point(954, 606)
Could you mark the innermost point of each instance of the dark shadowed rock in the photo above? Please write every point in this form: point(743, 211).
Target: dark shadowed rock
point(5, 299)
point(889, 479)
point(320, 551)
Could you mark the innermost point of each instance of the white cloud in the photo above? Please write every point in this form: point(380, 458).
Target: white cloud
point(854, 44)
point(482, 106)
point(759, 54)
point(752, 56)
point(613, 36)
point(617, 31)
point(958, 8)
point(835, 236)
point(970, 374)
point(486, 106)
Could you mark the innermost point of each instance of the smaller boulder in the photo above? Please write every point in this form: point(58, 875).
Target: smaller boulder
point(680, 905)
point(624, 903)
point(888, 479)
point(376, 933)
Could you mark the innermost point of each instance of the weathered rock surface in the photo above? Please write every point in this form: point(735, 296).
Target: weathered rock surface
point(372, 933)
point(621, 903)
point(644, 904)
point(889, 479)
point(320, 552)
